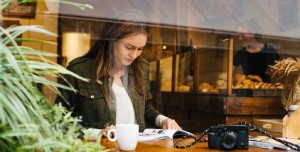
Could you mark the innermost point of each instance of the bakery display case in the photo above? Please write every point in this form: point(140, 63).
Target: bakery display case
point(196, 86)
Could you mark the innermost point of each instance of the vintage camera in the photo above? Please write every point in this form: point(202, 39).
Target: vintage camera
point(228, 137)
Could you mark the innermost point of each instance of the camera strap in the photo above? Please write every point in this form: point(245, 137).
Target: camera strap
point(255, 129)
point(250, 128)
point(192, 143)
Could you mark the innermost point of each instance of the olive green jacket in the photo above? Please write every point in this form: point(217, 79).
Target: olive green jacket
point(89, 104)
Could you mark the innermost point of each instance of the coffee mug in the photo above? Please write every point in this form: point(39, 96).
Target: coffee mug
point(126, 136)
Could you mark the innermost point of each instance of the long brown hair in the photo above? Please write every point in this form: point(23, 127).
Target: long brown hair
point(103, 53)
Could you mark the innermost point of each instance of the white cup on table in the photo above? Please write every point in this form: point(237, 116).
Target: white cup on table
point(126, 136)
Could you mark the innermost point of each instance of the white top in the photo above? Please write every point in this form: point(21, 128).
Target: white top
point(125, 112)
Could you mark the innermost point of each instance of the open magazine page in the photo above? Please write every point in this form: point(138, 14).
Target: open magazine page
point(147, 135)
point(268, 143)
point(161, 134)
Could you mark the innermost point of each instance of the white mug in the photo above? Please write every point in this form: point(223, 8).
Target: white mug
point(126, 136)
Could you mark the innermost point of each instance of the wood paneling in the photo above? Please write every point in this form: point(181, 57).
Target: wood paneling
point(195, 112)
point(254, 106)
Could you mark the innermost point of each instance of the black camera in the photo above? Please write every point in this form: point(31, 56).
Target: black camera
point(228, 137)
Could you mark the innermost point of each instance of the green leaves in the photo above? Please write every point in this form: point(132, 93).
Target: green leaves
point(28, 122)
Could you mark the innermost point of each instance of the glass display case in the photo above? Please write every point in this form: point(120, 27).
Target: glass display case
point(196, 81)
point(203, 68)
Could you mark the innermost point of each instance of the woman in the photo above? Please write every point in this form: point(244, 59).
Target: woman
point(119, 90)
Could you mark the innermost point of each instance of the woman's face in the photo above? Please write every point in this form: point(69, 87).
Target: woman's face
point(126, 50)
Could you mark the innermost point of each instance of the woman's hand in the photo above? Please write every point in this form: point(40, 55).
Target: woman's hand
point(170, 124)
point(104, 131)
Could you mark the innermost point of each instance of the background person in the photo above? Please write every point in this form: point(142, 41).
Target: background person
point(255, 56)
point(119, 89)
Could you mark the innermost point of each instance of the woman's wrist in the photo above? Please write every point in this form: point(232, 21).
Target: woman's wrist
point(159, 120)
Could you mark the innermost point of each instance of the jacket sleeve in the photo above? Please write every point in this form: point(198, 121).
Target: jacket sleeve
point(150, 112)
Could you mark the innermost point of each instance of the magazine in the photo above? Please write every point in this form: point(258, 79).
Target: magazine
point(268, 143)
point(146, 135)
point(162, 134)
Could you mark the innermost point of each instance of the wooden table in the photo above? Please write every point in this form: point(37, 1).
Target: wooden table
point(167, 146)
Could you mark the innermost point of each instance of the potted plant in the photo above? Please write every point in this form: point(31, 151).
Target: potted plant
point(28, 122)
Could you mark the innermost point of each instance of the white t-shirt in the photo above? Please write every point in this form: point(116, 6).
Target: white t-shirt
point(125, 112)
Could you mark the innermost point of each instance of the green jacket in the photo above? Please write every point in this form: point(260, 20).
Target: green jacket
point(89, 105)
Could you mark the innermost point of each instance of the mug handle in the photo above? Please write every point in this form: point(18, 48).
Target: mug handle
point(109, 135)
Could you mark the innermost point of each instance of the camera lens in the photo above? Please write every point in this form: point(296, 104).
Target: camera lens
point(229, 140)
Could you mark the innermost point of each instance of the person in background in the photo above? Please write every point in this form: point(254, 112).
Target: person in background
point(119, 89)
point(255, 56)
